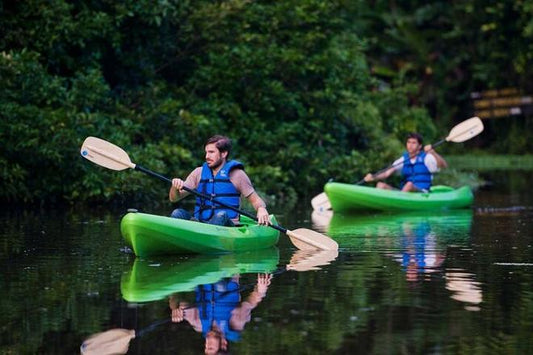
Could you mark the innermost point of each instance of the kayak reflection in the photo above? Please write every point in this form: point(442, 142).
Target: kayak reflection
point(154, 279)
point(220, 307)
point(220, 314)
point(374, 229)
point(416, 241)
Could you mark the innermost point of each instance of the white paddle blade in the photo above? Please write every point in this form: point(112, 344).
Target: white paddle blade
point(114, 341)
point(306, 260)
point(321, 202)
point(306, 239)
point(105, 154)
point(321, 219)
point(465, 130)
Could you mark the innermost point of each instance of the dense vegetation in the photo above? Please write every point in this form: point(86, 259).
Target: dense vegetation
point(307, 89)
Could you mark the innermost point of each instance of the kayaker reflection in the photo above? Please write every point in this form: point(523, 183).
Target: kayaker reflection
point(416, 166)
point(219, 313)
point(223, 180)
point(420, 255)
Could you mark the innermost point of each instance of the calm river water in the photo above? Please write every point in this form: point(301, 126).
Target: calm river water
point(413, 283)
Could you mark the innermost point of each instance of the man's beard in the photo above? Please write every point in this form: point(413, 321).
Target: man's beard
point(216, 164)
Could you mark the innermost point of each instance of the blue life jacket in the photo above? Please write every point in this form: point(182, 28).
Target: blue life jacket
point(417, 242)
point(217, 187)
point(215, 303)
point(417, 172)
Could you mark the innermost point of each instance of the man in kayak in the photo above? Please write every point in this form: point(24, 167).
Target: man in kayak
point(222, 179)
point(416, 166)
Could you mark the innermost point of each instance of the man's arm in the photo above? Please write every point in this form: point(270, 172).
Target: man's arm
point(260, 207)
point(242, 314)
point(441, 163)
point(242, 183)
point(396, 166)
point(176, 191)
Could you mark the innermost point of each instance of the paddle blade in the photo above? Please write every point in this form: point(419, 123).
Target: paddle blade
point(321, 202)
point(305, 260)
point(321, 219)
point(105, 154)
point(306, 239)
point(465, 130)
point(114, 341)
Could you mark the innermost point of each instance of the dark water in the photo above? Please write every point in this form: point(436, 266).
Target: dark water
point(410, 283)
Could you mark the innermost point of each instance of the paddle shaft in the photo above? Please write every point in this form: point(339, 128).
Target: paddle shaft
point(207, 197)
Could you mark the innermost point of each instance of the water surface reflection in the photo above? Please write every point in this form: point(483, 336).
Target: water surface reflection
point(64, 275)
point(204, 292)
point(416, 241)
point(152, 279)
point(386, 230)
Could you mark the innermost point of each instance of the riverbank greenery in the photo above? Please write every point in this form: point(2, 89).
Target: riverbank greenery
point(309, 90)
point(493, 162)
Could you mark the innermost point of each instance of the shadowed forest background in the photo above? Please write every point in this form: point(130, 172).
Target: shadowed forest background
point(308, 90)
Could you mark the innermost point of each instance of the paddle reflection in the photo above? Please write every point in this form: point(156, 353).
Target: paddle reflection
point(204, 293)
point(464, 288)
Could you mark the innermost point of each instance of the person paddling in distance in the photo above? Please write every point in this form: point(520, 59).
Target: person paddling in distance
point(416, 166)
point(222, 179)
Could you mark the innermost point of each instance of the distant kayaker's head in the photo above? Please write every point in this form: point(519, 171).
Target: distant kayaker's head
point(217, 149)
point(414, 143)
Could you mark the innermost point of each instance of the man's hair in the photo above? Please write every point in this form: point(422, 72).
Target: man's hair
point(220, 337)
point(222, 143)
point(416, 136)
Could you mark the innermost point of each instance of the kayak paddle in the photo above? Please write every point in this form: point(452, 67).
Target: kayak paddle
point(114, 341)
point(110, 156)
point(459, 133)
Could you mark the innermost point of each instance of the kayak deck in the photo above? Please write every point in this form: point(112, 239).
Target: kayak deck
point(348, 197)
point(149, 234)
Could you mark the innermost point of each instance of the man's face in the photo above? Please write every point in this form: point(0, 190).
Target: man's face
point(214, 342)
point(412, 145)
point(213, 157)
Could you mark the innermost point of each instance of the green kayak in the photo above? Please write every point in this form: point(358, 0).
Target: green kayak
point(151, 280)
point(348, 197)
point(149, 234)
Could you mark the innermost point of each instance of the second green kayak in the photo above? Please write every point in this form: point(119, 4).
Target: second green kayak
point(149, 235)
point(348, 197)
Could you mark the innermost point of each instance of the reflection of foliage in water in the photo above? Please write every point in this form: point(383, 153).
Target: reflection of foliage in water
point(63, 284)
point(60, 267)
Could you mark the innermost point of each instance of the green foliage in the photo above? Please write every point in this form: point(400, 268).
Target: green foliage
point(493, 162)
point(309, 90)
